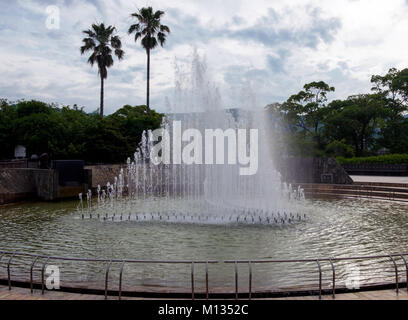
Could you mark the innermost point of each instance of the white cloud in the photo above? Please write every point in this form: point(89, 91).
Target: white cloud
point(276, 45)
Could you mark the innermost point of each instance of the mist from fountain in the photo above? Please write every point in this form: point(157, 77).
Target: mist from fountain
point(200, 193)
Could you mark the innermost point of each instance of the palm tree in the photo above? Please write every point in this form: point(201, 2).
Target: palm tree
point(101, 41)
point(151, 32)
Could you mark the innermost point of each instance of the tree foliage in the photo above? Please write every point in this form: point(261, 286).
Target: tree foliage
point(151, 32)
point(70, 133)
point(360, 125)
point(101, 41)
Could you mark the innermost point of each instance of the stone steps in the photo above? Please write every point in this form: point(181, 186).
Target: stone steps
point(383, 191)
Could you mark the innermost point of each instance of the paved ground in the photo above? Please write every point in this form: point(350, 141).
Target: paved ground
point(380, 179)
point(24, 294)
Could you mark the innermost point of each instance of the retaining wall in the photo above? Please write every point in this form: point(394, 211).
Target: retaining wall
point(34, 184)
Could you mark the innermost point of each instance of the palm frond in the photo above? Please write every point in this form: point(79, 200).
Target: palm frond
point(116, 42)
point(162, 38)
point(138, 16)
point(149, 43)
point(149, 28)
point(119, 53)
point(138, 35)
point(93, 58)
point(90, 33)
point(134, 28)
point(100, 41)
point(158, 14)
point(89, 44)
point(164, 28)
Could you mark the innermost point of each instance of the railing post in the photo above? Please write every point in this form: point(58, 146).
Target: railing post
point(250, 279)
point(42, 275)
point(406, 268)
point(106, 279)
point(320, 279)
point(206, 281)
point(396, 273)
point(31, 273)
point(120, 279)
point(236, 280)
point(192, 280)
point(334, 278)
point(8, 270)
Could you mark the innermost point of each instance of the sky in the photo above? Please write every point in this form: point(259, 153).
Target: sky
point(271, 48)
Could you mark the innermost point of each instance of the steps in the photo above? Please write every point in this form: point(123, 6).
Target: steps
point(365, 190)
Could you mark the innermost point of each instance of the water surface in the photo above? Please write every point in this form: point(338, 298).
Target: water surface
point(333, 228)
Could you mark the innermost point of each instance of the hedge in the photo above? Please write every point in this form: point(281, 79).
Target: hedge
point(386, 159)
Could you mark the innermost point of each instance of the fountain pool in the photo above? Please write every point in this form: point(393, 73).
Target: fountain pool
point(334, 228)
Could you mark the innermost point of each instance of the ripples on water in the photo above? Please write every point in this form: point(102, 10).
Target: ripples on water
point(335, 228)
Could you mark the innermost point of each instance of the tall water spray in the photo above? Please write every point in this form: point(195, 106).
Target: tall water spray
point(201, 193)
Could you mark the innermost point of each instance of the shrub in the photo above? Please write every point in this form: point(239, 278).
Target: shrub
point(386, 159)
point(340, 149)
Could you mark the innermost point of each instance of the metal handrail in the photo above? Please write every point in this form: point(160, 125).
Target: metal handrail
point(106, 278)
point(192, 280)
point(120, 279)
point(396, 273)
point(320, 279)
point(334, 278)
point(31, 273)
point(236, 281)
point(109, 264)
point(42, 275)
point(206, 281)
point(318, 262)
point(8, 270)
point(250, 280)
point(236, 263)
point(406, 269)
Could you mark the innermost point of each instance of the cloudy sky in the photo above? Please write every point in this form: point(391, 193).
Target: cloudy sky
point(273, 47)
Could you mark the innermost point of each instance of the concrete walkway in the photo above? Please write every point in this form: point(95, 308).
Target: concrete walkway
point(380, 179)
point(24, 294)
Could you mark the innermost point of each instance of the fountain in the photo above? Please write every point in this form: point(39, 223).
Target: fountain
point(209, 212)
point(195, 192)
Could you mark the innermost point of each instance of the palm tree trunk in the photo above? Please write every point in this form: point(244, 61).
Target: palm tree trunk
point(102, 94)
point(148, 80)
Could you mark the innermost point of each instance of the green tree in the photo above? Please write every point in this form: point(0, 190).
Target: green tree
point(394, 87)
point(355, 120)
point(340, 149)
point(101, 41)
point(70, 133)
point(106, 143)
point(8, 114)
point(76, 125)
point(288, 137)
point(308, 108)
point(37, 127)
point(152, 33)
point(132, 121)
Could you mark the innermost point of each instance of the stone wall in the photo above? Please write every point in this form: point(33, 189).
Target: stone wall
point(22, 163)
point(25, 184)
point(34, 184)
point(101, 175)
point(296, 170)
